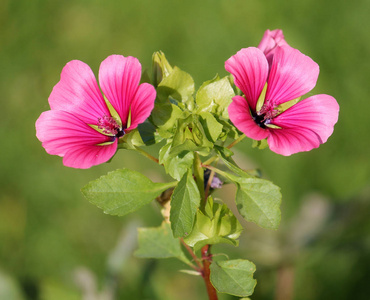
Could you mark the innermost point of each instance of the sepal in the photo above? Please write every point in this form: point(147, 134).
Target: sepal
point(215, 225)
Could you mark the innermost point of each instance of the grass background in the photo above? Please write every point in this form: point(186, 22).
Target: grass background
point(53, 242)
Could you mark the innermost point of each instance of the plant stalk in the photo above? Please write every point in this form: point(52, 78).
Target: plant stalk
point(207, 259)
point(239, 139)
point(146, 154)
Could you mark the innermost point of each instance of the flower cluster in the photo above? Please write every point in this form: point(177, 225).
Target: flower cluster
point(85, 125)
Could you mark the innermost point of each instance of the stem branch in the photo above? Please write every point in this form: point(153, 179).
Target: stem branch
point(239, 139)
point(146, 154)
point(195, 258)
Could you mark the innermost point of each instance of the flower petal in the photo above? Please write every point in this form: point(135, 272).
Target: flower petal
point(250, 70)
point(241, 117)
point(269, 42)
point(86, 156)
point(305, 125)
point(119, 79)
point(77, 92)
point(63, 134)
point(142, 104)
point(292, 75)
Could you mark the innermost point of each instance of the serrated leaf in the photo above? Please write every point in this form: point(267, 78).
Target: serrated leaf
point(185, 201)
point(233, 277)
point(123, 191)
point(158, 242)
point(258, 200)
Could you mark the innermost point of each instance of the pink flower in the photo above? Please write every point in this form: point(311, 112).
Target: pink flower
point(261, 113)
point(84, 125)
point(269, 42)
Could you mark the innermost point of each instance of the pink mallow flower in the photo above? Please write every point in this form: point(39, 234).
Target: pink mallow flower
point(269, 42)
point(84, 125)
point(264, 111)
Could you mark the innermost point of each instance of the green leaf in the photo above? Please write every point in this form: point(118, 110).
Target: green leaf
point(190, 136)
point(215, 96)
point(258, 200)
point(229, 162)
point(262, 144)
point(165, 116)
point(131, 140)
point(123, 191)
point(185, 201)
point(191, 129)
point(189, 145)
point(177, 86)
point(233, 277)
point(211, 126)
point(176, 165)
point(148, 133)
point(158, 242)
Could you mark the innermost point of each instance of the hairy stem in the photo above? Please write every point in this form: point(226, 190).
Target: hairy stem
point(207, 259)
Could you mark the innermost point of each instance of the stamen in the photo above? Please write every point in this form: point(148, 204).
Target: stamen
point(265, 114)
point(109, 126)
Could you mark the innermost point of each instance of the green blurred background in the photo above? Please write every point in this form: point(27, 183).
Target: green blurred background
point(54, 244)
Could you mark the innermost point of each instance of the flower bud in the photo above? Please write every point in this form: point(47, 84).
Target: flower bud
point(161, 67)
point(269, 42)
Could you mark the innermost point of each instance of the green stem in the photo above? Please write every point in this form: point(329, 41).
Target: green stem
point(239, 139)
point(146, 154)
point(218, 171)
point(210, 160)
point(199, 178)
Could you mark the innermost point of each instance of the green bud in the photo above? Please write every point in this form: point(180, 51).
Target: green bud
point(161, 67)
point(216, 224)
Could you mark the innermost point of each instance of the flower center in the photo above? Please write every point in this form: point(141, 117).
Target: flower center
point(264, 116)
point(108, 125)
